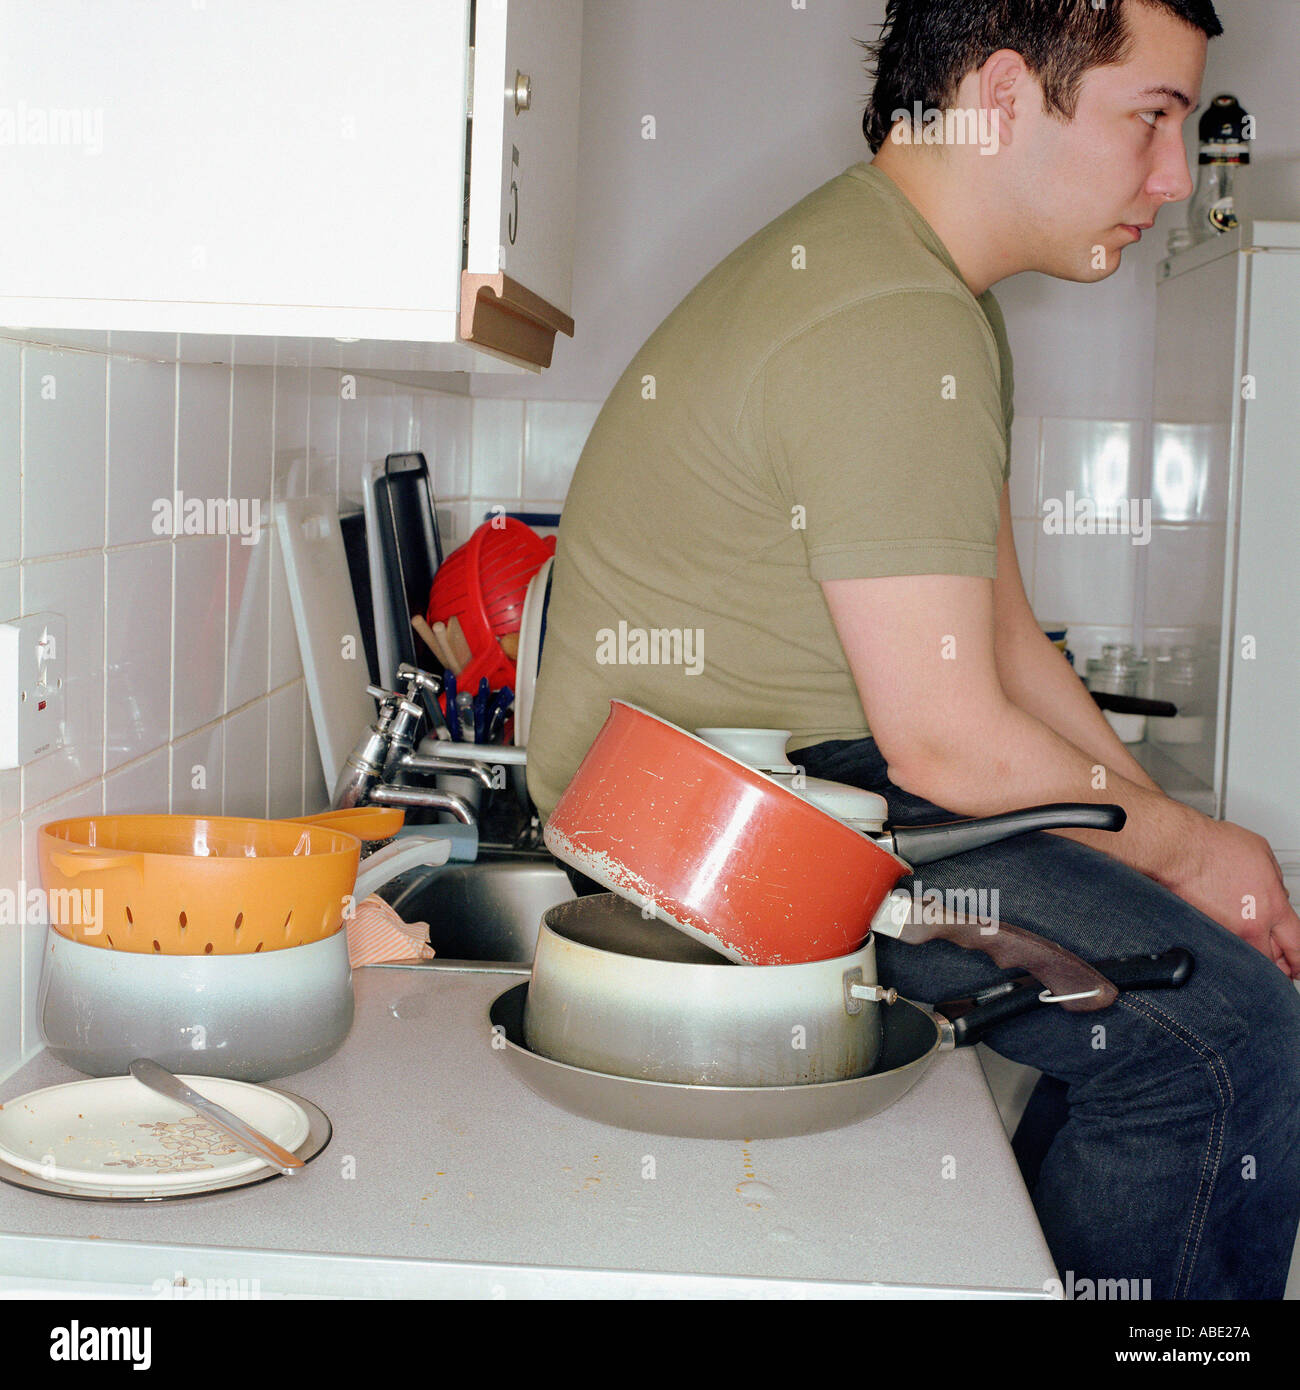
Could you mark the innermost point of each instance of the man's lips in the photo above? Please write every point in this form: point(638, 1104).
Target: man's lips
point(1137, 228)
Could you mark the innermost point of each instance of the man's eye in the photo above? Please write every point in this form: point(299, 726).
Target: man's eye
point(1154, 116)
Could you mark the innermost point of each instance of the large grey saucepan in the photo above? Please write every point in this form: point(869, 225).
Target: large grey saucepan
point(617, 990)
point(248, 1017)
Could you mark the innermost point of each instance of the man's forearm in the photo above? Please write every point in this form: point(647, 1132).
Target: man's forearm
point(1039, 680)
point(1014, 760)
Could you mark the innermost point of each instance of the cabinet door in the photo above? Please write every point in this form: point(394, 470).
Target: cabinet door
point(524, 157)
point(282, 158)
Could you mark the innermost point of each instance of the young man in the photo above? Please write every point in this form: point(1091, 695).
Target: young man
point(804, 474)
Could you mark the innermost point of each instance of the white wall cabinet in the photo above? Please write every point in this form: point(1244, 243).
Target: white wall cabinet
point(297, 170)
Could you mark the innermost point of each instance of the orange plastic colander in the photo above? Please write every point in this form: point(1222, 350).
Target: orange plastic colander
point(204, 885)
point(483, 584)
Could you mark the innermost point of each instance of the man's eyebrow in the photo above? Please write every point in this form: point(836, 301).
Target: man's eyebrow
point(1171, 92)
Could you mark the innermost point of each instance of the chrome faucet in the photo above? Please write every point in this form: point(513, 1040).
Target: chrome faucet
point(386, 750)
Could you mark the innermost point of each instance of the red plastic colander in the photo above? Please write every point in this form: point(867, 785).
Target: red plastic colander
point(483, 584)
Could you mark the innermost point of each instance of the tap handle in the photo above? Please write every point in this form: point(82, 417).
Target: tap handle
point(382, 695)
point(417, 679)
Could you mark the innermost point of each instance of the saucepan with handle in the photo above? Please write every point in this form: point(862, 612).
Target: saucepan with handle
point(737, 858)
point(617, 991)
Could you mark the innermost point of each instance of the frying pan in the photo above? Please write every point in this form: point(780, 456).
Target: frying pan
point(735, 858)
point(911, 1039)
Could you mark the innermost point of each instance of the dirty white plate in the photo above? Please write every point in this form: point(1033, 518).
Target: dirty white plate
point(114, 1133)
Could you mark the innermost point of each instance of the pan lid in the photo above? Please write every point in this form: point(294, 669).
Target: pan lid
point(764, 751)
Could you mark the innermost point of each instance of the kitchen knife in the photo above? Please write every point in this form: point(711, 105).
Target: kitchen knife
point(148, 1073)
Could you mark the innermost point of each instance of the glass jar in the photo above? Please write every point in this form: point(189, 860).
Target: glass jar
point(1121, 670)
point(1178, 681)
point(1111, 673)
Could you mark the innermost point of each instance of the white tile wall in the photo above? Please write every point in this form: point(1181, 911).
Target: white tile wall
point(323, 433)
point(198, 772)
point(10, 421)
point(185, 688)
point(1089, 583)
point(554, 433)
point(446, 432)
point(141, 446)
point(64, 429)
point(497, 465)
point(137, 652)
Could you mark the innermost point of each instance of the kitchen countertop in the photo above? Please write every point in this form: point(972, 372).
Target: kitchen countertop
point(446, 1176)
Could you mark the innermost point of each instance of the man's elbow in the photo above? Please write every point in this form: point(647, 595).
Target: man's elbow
point(953, 756)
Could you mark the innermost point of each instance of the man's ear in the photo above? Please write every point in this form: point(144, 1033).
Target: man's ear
point(1003, 85)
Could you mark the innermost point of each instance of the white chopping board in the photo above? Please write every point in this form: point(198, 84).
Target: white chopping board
point(329, 632)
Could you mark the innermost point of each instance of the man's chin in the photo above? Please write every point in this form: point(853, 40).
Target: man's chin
point(1099, 262)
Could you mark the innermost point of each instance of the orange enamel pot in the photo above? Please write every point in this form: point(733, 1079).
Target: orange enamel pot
point(715, 848)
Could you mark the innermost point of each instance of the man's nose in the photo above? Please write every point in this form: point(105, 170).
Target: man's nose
point(1171, 180)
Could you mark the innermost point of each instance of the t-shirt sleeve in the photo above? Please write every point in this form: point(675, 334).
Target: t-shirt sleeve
point(884, 431)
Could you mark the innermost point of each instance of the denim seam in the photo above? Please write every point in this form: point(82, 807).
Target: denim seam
point(1196, 1225)
point(1223, 1126)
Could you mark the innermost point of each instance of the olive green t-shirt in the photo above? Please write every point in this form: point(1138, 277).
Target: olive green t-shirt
point(829, 402)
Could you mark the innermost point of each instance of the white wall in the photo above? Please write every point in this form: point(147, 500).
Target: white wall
point(757, 103)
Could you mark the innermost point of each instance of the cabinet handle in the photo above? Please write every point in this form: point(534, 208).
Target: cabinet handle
point(523, 92)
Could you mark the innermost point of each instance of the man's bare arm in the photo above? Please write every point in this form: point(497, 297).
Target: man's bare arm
point(921, 651)
point(1038, 679)
point(921, 648)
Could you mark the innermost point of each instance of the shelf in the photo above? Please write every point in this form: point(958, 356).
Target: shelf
point(1173, 778)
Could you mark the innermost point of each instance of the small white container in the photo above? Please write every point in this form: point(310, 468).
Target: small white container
point(1129, 728)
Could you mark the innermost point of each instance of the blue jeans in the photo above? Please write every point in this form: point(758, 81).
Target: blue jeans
point(1168, 1146)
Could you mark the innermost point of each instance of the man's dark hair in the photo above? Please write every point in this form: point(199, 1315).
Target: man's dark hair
point(926, 47)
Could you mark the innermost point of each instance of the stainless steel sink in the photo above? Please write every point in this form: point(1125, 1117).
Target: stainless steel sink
point(486, 911)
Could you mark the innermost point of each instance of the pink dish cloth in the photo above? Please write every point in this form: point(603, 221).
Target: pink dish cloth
point(376, 933)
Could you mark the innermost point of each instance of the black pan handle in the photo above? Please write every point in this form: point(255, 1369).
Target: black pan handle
point(919, 844)
point(1133, 704)
point(972, 1018)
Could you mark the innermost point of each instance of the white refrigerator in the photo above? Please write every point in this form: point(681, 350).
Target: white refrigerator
point(1222, 575)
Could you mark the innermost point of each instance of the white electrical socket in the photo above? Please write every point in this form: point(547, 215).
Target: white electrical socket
point(33, 687)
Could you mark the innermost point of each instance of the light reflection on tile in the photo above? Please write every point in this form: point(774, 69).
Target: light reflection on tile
point(1189, 472)
point(1090, 458)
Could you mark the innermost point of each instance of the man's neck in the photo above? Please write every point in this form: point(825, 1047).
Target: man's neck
point(938, 190)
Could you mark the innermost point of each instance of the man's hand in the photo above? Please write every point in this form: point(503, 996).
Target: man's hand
point(1230, 874)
